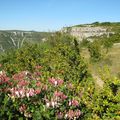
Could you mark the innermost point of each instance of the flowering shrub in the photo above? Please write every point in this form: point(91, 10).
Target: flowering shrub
point(27, 94)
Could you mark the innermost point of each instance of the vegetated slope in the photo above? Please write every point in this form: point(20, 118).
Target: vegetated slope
point(15, 38)
point(107, 37)
point(55, 83)
point(111, 59)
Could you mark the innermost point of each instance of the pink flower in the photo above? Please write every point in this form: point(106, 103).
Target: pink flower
point(18, 92)
point(71, 114)
point(22, 108)
point(61, 95)
point(78, 113)
point(57, 94)
point(24, 92)
point(37, 91)
point(73, 103)
point(60, 81)
point(31, 92)
point(38, 84)
point(23, 83)
point(52, 81)
point(19, 76)
point(21, 92)
point(55, 81)
point(4, 78)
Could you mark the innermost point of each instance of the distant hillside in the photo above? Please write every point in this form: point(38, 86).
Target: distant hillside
point(16, 38)
point(84, 31)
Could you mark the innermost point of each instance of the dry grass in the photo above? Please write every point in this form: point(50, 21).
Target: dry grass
point(112, 60)
point(114, 56)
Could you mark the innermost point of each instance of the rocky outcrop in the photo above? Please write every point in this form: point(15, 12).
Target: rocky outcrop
point(86, 31)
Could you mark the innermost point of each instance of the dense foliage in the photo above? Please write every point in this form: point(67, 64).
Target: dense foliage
point(52, 81)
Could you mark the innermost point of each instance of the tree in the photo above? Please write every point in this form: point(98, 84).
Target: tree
point(95, 50)
point(107, 43)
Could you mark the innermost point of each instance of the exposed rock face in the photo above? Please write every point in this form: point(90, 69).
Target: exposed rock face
point(86, 31)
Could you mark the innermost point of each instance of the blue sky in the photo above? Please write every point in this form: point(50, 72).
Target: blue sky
point(50, 15)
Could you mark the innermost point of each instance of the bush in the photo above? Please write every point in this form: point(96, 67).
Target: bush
point(106, 101)
point(38, 96)
point(95, 50)
point(84, 43)
point(25, 58)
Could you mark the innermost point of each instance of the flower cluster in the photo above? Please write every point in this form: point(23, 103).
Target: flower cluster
point(73, 103)
point(23, 92)
point(23, 110)
point(70, 114)
point(3, 78)
point(23, 87)
point(73, 114)
point(37, 72)
point(56, 82)
point(29, 85)
point(56, 100)
point(23, 83)
point(4, 82)
point(60, 95)
point(20, 76)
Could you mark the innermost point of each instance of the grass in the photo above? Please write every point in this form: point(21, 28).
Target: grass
point(112, 60)
point(114, 56)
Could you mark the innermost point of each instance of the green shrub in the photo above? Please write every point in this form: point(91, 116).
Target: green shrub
point(24, 58)
point(106, 101)
point(95, 50)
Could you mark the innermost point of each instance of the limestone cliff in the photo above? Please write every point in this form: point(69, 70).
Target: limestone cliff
point(86, 31)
